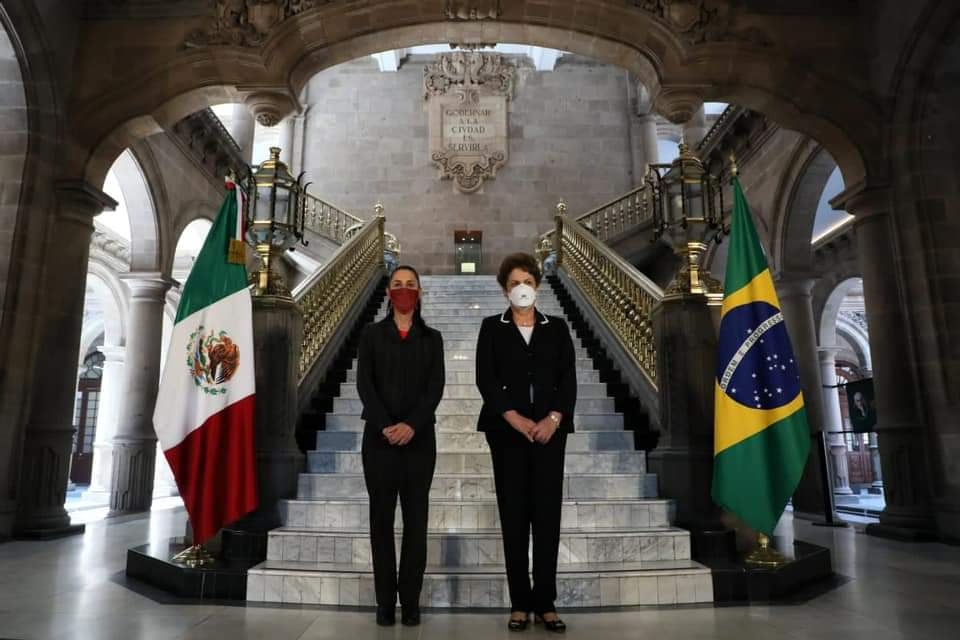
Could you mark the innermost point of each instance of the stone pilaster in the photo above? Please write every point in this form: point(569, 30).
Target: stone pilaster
point(243, 126)
point(135, 442)
point(686, 362)
point(695, 128)
point(900, 427)
point(833, 421)
point(48, 436)
point(795, 303)
point(111, 390)
point(648, 139)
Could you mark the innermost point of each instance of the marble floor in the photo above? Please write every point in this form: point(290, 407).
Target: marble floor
point(73, 589)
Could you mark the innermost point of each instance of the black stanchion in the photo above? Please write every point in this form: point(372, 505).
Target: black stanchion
point(830, 515)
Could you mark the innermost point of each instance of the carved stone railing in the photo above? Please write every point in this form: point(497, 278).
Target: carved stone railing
point(203, 136)
point(623, 214)
point(328, 296)
point(328, 220)
point(622, 297)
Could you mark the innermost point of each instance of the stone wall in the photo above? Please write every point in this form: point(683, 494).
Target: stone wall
point(367, 139)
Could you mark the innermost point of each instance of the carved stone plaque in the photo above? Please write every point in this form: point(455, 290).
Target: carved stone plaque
point(467, 93)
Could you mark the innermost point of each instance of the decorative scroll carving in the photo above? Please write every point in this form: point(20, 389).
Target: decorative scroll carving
point(700, 20)
point(473, 10)
point(464, 71)
point(468, 94)
point(246, 23)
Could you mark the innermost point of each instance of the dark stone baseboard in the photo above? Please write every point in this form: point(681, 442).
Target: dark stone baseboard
point(736, 583)
point(49, 534)
point(224, 580)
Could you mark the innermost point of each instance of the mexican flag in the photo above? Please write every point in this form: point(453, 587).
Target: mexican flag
point(204, 412)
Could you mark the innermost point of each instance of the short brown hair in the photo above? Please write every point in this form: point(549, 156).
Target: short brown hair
point(523, 261)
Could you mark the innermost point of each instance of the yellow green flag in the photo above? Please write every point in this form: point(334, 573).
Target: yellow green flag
point(761, 437)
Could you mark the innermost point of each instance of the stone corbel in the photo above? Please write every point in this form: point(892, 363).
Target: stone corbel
point(269, 107)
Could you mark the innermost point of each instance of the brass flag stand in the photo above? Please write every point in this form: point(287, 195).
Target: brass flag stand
point(764, 556)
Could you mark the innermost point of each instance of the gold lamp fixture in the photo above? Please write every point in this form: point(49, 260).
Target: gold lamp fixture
point(688, 215)
point(275, 220)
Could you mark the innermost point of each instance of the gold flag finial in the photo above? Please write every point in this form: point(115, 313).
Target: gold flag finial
point(734, 170)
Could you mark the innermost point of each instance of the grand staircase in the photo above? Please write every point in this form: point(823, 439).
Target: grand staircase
point(617, 546)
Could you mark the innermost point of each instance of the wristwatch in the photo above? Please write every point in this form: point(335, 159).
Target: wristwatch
point(554, 418)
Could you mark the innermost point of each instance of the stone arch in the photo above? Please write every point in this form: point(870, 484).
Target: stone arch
point(142, 210)
point(104, 282)
point(796, 207)
point(192, 211)
point(831, 310)
point(858, 339)
point(679, 74)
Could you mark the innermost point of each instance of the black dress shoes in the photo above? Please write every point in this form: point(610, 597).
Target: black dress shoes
point(386, 616)
point(410, 617)
point(556, 625)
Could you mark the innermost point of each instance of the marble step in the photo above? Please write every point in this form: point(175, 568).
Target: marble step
point(482, 547)
point(479, 487)
point(480, 514)
point(476, 442)
point(470, 303)
point(471, 392)
point(654, 583)
point(467, 423)
point(584, 376)
point(574, 462)
point(458, 406)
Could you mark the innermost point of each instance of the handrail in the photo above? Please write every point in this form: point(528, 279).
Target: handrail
point(623, 297)
point(327, 220)
point(327, 295)
point(612, 218)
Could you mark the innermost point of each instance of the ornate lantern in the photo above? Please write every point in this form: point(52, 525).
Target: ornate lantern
point(275, 219)
point(688, 215)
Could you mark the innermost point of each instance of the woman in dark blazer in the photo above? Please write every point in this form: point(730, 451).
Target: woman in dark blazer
point(526, 372)
point(400, 377)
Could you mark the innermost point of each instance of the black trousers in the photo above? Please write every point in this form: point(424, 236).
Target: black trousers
point(529, 482)
point(406, 472)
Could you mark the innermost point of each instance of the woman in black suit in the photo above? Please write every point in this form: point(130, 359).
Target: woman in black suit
point(400, 377)
point(526, 372)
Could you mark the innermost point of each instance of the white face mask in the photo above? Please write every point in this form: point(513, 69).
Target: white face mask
point(523, 296)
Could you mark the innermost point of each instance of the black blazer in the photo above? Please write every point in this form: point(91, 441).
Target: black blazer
point(507, 366)
point(400, 380)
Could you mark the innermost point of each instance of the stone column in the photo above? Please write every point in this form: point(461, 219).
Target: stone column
point(648, 139)
point(900, 427)
point(277, 335)
point(695, 128)
point(833, 421)
point(110, 393)
point(243, 129)
point(877, 485)
point(683, 459)
point(48, 433)
point(795, 304)
point(135, 442)
point(285, 143)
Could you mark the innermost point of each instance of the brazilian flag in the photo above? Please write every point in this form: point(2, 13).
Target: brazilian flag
point(761, 437)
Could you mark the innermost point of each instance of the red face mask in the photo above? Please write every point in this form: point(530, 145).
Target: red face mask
point(404, 300)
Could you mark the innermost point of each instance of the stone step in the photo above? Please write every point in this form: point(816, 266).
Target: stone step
point(491, 306)
point(476, 442)
point(457, 406)
point(471, 392)
point(464, 486)
point(468, 422)
point(480, 514)
point(584, 376)
point(476, 463)
point(659, 583)
point(482, 547)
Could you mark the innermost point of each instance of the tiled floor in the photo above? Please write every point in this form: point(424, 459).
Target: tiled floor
point(71, 589)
